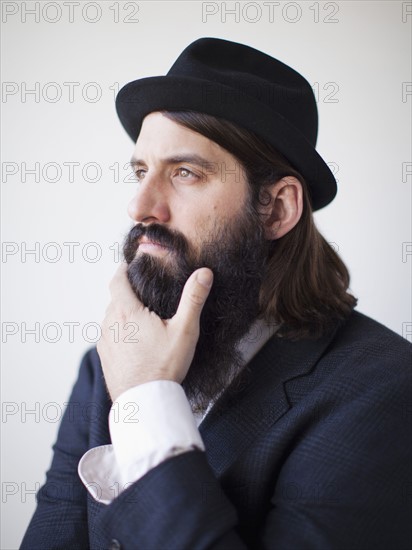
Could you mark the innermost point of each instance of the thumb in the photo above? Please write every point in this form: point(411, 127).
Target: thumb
point(194, 295)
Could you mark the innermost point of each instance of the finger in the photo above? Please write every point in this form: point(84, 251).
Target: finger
point(194, 295)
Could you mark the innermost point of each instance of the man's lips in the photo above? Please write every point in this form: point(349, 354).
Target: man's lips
point(148, 245)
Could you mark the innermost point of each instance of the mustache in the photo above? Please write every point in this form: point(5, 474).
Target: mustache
point(157, 233)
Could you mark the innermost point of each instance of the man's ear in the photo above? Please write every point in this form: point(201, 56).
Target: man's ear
point(282, 207)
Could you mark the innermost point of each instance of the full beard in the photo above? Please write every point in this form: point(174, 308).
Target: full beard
point(236, 253)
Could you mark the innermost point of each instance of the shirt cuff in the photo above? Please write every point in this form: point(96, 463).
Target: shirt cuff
point(148, 424)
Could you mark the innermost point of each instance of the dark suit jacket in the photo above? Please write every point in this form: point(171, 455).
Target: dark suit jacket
point(312, 452)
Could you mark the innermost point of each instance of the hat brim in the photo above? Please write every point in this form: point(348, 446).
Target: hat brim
point(180, 93)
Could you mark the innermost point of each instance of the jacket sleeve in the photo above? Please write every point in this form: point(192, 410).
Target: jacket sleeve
point(142, 515)
point(60, 519)
point(177, 504)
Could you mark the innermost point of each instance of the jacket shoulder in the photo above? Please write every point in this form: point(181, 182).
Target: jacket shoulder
point(367, 354)
point(362, 336)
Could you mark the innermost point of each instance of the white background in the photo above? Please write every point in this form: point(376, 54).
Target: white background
point(357, 65)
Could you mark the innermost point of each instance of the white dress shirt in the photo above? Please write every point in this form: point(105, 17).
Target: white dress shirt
point(148, 424)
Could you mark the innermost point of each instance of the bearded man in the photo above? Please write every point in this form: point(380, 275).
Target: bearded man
point(244, 402)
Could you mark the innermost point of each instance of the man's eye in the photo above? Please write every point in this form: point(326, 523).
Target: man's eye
point(139, 173)
point(185, 173)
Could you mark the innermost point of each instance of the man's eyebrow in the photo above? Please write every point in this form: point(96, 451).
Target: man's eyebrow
point(196, 159)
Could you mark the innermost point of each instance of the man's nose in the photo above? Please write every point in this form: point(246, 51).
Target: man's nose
point(150, 204)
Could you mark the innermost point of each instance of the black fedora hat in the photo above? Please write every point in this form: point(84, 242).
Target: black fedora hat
point(247, 87)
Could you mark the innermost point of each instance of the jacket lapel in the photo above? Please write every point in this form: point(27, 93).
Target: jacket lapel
point(243, 414)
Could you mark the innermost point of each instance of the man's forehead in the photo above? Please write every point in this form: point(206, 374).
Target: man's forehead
point(166, 140)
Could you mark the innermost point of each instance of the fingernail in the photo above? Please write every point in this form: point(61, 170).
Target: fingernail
point(205, 278)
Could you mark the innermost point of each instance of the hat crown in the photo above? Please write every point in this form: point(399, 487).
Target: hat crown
point(243, 70)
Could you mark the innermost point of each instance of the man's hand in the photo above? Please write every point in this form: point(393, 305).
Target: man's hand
point(136, 346)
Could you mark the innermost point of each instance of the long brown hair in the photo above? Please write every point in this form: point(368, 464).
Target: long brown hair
point(305, 287)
